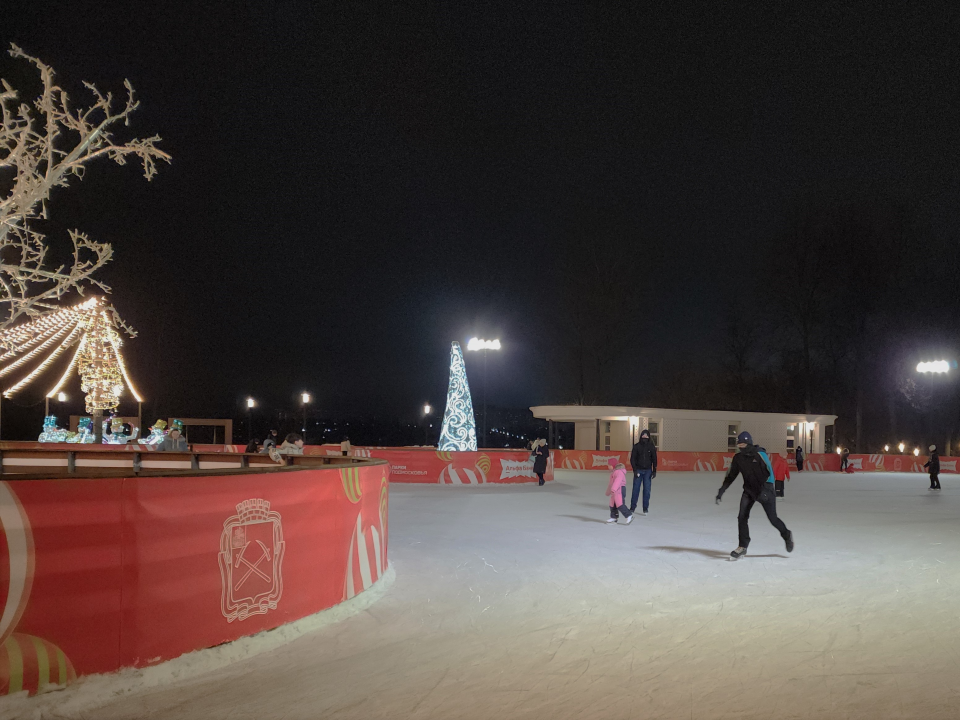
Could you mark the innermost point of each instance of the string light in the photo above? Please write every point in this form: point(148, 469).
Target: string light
point(92, 326)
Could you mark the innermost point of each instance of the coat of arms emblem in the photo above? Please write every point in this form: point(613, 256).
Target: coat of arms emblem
point(251, 553)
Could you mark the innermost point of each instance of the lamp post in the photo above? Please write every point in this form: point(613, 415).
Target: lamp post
point(938, 367)
point(250, 406)
point(305, 398)
point(426, 416)
point(476, 344)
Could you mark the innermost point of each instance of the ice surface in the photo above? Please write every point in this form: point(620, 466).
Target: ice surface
point(521, 602)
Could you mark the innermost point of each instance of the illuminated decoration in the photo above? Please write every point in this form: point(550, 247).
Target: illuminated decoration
point(477, 344)
point(93, 327)
point(51, 433)
point(459, 431)
point(936, 366)
point(116, 435)
point(916, 452)
point(901, 446)
point(157, 433)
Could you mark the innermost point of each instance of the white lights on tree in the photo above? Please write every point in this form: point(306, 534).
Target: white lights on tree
point(45, 142)
point(478, 344)
point(459, 430)
point(936, 366)
point(92, 326)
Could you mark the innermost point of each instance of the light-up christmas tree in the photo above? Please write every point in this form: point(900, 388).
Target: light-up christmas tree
point(93, 327)
point(459, 431)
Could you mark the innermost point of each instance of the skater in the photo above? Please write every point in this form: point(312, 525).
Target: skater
point(781, 473)
point(541, 453)
point(757, 488)
point(844, 456)
point(643, 460)
point(799, 456)
point(616, 491)
point(933, 466)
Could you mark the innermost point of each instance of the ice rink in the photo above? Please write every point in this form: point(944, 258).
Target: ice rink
point(521, 602)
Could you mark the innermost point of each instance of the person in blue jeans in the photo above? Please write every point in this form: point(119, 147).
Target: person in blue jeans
point(643, 460)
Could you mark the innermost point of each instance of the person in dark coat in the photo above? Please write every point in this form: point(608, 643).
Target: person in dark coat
point(799, 458)
point(844, 459)
point(643, 460)
point(541, 453)
point(757, 488)
point(933, 467)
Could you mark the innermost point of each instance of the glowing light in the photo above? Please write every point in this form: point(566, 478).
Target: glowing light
point(427, 409)
point(92, 326)
point(478, 344)
point(886, 448)
point(916, 451)
point(902, 447)
point(251, 403)
point(839, 450)
point(459, 429)
point(936, 366)
point(305, 397)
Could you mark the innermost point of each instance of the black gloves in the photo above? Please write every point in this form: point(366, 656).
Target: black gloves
point(653, 474)
point(719, 496)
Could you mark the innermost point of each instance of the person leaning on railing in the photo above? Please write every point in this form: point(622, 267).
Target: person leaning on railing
point(173, 442)
point(291, 445)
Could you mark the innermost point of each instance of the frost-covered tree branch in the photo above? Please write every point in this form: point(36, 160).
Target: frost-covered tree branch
point(44, 145)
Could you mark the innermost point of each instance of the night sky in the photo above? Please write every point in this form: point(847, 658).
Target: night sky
point(355, 185)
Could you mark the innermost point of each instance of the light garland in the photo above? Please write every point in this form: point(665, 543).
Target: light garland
point(92, 325)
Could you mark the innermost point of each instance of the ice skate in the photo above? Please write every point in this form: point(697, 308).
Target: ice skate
point(629, 519)
point(790, 542)
point(644, 512)
point(610, 520)
point(738, 553)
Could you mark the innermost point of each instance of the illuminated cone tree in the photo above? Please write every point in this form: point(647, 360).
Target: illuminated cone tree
point(459, 431)
point(93, 328)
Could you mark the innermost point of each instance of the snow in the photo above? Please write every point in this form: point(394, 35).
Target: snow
point(515, 601)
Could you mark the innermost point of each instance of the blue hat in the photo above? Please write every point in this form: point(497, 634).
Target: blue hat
point(744, 438)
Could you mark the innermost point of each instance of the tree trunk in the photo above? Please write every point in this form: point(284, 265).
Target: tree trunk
point(98, 427)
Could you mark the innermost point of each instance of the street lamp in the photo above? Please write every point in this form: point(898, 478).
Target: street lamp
point(935, 366)
point(305, 397)
point(916, 452)
point(902, 447)
point(427, 409)
point(886, 448)
point(250, 406)
point(476, 344)
point(61, 398)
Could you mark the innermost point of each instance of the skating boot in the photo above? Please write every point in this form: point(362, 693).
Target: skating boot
point(790, 542)
point(629, 519)
point(610, 520)
point(738, 553)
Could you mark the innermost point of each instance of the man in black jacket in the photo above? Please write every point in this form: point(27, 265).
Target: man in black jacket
point(643, 460)
point(756, 489)
point(933, 467)
point(799, 458)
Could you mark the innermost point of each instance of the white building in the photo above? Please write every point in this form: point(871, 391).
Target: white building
point(617, 428)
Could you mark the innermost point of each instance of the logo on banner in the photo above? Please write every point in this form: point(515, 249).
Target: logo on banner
point(516, 468)
point(727, 462)
point(855, 463)
point(603, 460)
point(251, 554)
point(948, 466)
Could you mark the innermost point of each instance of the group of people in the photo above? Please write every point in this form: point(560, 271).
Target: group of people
point(292, 444)
point(762, 483)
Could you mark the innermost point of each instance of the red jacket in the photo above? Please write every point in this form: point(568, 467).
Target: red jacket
point(781, 470)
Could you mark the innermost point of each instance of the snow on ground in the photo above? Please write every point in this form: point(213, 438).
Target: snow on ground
point(520, 602)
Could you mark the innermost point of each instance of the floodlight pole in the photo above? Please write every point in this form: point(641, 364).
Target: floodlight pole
point(484, 397)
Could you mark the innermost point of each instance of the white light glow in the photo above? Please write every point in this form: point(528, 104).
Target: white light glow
point(902, 447)
point(839, 450)
point(936, 366)
point(916, 451)
point(886, 448)
point(427, 409)
point(478, 344)
point(305, 397)
point(250, 403)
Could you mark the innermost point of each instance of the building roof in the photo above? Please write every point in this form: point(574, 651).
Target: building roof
point(573, 413)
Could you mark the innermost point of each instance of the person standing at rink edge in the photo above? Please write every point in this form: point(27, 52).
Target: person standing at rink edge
point(757, 488)
point(643, 460)
point(933, 467)
point(799, 455)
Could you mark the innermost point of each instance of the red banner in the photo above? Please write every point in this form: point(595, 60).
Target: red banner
point(460, 468)
point(96, 575)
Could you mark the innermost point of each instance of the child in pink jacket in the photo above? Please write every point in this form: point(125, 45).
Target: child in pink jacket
point(616, 490)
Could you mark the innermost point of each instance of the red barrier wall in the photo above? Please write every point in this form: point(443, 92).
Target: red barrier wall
point(99, 574)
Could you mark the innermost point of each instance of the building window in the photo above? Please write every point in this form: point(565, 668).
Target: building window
point(606, 441)
point(732, 432)
point(606, 427)
point(791, 437)
point(654, 428)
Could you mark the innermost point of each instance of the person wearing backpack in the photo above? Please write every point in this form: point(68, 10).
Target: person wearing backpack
point(758, 487)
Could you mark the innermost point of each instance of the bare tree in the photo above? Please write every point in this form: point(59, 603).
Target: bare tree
point(44, 145)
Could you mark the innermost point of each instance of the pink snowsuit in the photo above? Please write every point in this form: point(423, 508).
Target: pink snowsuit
point(618, 479)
